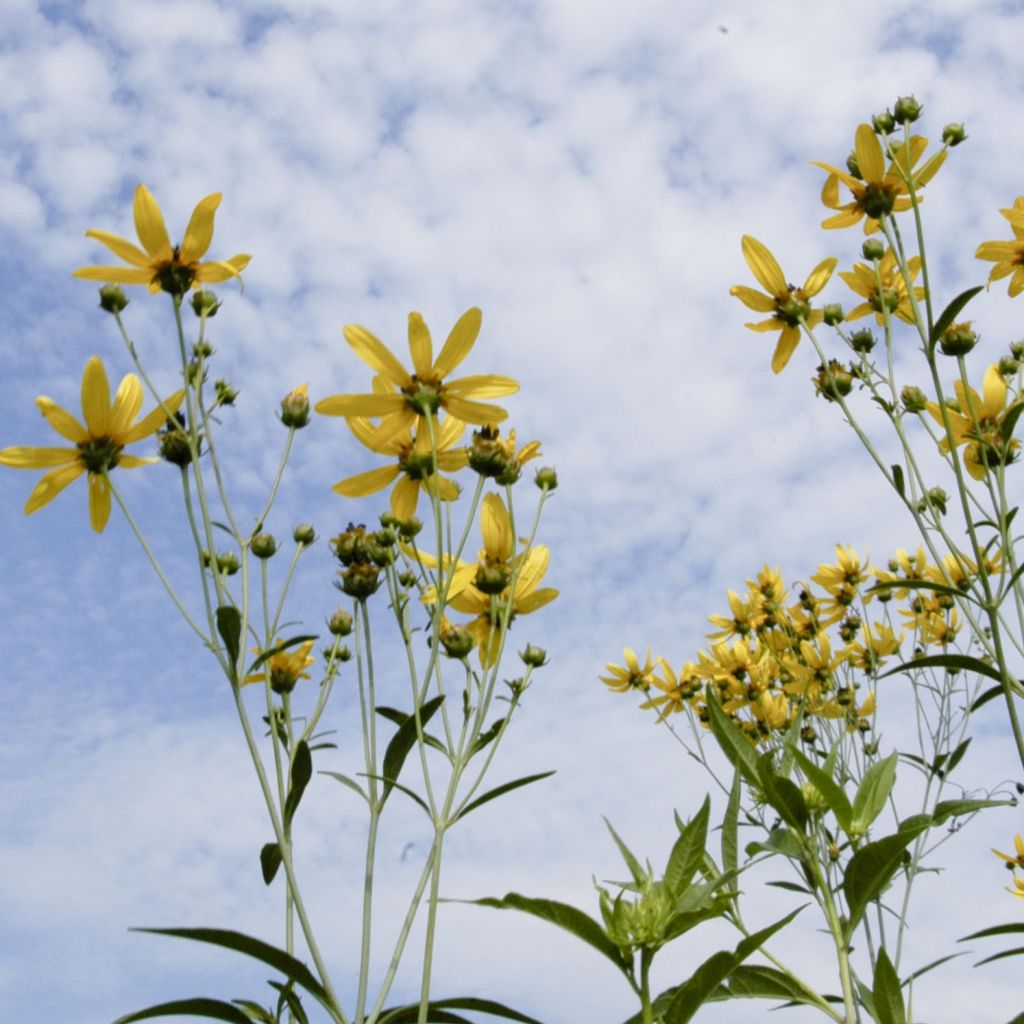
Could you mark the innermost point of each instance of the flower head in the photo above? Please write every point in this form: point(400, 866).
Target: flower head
point(631, 676)
point(877, 190)
point(884, 288)
point(98, 445)
point(284, 668)
point(789, 305)
point(158, 264)
point(408, 397)
point(1017, 860)
point(1008, 256)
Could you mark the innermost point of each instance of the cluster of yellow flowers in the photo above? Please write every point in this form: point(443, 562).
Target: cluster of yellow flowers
point(772, 658)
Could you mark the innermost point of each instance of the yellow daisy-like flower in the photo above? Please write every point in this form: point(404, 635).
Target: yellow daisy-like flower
point(285, 668)
point(980, 432)
point(790, 306)
point(158, 264)
point(673, 692)
point(878, 191)
point(632, 675)
point(1018, 888)
point(848, 571)
point(886, 292)
point(747, 615)
point(499, 459)
point(415, 465)
point(1008, 256)
point(424, 392)
point(98, 446)
point(1016, 861)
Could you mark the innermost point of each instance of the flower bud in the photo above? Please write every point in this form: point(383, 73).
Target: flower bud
point(487, 455)
point(936, 499)
point(351, 546)
point(913, 398)
point(224, 392)
point(534, 657)
point(1017, 350)
point(295, 407)
point(1008, 366)
point(833, 381)
point(408, 528)
point(202, 350)
point(381, 554)
point(832, 314)
point(491, 579)
point(407, 579)
point(340, 623)
point(883, 123)
point(385, 537)
point(172, 441)
point(958, 339)
point(862, 340)
point(205, 303)
point(360, 580)
point(389, 521)
point(853, 167)
point(263, 546)
point(546, 478)
point(304, 534)
point(906, 110)
point(457, 641)
point(112, 298)
point(953, 134)
point(227, 563)
point(873, 249)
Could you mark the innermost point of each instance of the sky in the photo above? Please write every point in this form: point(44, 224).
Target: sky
point(583, 174)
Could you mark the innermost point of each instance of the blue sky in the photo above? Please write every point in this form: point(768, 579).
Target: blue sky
point(583, 175)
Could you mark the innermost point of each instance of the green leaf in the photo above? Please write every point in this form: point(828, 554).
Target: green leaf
point(284, 962)
point(782, 794)
point(505, 787)
point(402, 742)
point(1009, 421)
point(582, 925)
point(946, 809)
point(638, 873)
point(346, 781)
point(991, 694)
point(487, 736)
point(1016, 928)
point(409, 1014)
point(694, 992)
point(1001, 956)
point(780, 840)
point(752, 981)
point(266, 655)
point(872, 793)
point(963, 662)
point(291, 1000)
point(949, 314)
point(888, 995)
point(730, 737)
point(229, 625)
point(957, 756)
point(688, 851)
point(407, 791)
point(872, 867)
point(900, 584)
point(212, 1009)
point(898, 481)
point(302, 772)
point(730, 827)
point(255, 1011)
point(399, 717)
point(270, 861)
point(834, 794)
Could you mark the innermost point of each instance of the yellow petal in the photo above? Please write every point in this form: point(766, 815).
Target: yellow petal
point(199, 232)
point(850, 216)
point(459, 342)
point(376, 355)
point(127, 403)
point(360, 405)
point(994, 390)
point(818, 277)
point(420, 346)
point(149, 226)
point(113, 275)
point(496, 528)
point(120, 247)
point(25, 457)
point(404, 498)
point(868, 150)
point(154, 419)
point(755, 300)
point(135, 461)
point(998, 250)
point(479, 413)
point(51, 485)
point(362, 484)
point(788, 341)
point(96, 398)
point(222, 270)
point(61, 420)
point(764, 267)
point(451, 430)
point(536, 600)
point(99, 501)
point(930, 169)
point(394, 425)
point(447, 490)
point(483, 385)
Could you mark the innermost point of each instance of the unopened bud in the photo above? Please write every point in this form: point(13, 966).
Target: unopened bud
point(457, 641)
point(491, 579)
point(906, 110)
point(546, 478)
point(913, 398)
point(172, 441)
point(833, 381)
point(360, 580)
point(958, 339)
point(408, 528)
point(263, 546)
point(340, 623)
point(1017, 350)
point(112, 298)
point(862, 340)
point(227, 563)
point(883, 123)
point(534, 657)
point(953, 134)
point(295, 407)
point(873, 249)
point(832, 314)
point(304, 534)
point(1008, 366)
point(224, 392)
point(205, 303)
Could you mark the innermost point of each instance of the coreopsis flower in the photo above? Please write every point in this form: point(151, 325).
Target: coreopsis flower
point(877, 190)
point(790, 306)
point(813, 674)
point(158, 264)
point(414, 464)
point(746, 616)
point(1008, 256)
point(632, 675)
point(848, 570)
point(284, 669)
point(886, 292)
point(409, 397)
point(772, 709)
point(672, 692)
point(1018, 888)
point(879, 641)
point(976, 422)
point(98, 445)
point(1017, 860)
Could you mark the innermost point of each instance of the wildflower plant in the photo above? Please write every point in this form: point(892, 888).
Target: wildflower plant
point(433, 744)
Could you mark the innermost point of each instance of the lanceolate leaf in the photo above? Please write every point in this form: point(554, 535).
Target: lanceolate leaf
point(888, 996)
point(229, 625)
point(873, 792)
point(946, 809)
point(291, 1000)
point(270, 861)
point(211, 1009)
point(730, 829)
point(632, 863)
point(402, 742)
point(963, 662)
point(752, 981)
point(688, 852)
point(949, 314)
point(398, 717)
point(734, 744)
point(835, 796)
point(346, 781)
point(409, 1014)
point(506, 787)
point(302, 772)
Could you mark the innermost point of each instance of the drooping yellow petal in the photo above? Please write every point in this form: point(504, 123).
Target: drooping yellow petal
point(199, 233)
point(788, 341)
point(99, 501)
point(61, 420)
point(764, 266)
point(27, 457)
point(459, 342)
point(376, 355)
point(129, 252)
point(51, 485)
point(217, 271)
point(149, 226)
point(135, 461)
point(496, 529)
point(405, 498)
point(96, 398)
point(447, 490)
point(370, 482)
point(539, 598)
point(420, 346)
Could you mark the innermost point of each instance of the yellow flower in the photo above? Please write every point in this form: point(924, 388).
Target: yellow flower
point(1018, 888)
point(789, 306)
point(1017, 861)
point(746, 616)
point(886, 292)
point(1008, 256)
point(631, 676)
point(878, 191)
point(977, 422)
point(285, 668)
point(415, 464)
point(490, 456)
point(422, 393)
point(676, 691)
point(848, 571)
point(174, 269)
point(98, 446)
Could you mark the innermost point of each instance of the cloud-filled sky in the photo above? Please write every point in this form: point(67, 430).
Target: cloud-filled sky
point(581, 172)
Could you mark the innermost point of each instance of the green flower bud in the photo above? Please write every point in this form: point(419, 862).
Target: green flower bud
point(1008, 366)
point(936, 499)
point(407, 579)
point(409, 528)
point(883, 123)
point(833, 381)
point(457, 641)
point(112, 298)
point(958, 339)
point(172, 441)
point(205, 303)
point(832, 314)
point(389, 521)
point(340, 623)
point(862, 340)
point(546, 478)
point(1017, 350)
point(853, 167)
point(295, 407)
point(386, 537)
point(360, 580)
point(381, 554)
point(953, 134)
point(913, 398)
point(534, 657)
point(873, 249)
point(202, 350)
point(263, 546)
point(351, 546)
point(304, 534)
point(487, 455)
point(227, 563)
point(491, 579)
point(224, 392)
point(906, 110)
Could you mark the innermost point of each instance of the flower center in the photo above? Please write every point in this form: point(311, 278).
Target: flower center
point(877, 200)
point(99, 454)
point(793, 310)
point(423, 395)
